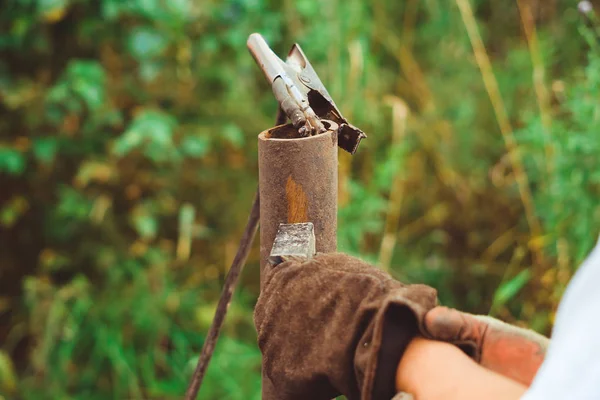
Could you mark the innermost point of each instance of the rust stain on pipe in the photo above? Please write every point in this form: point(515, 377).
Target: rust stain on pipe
point(297, 205)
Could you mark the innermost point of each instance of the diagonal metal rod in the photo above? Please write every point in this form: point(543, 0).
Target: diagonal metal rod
point(230, 283)
point(223, 305)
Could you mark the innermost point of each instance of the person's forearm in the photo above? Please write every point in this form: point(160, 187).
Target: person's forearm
point(432, 370)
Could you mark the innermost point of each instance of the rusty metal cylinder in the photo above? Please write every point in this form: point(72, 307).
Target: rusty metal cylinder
point(297, 179)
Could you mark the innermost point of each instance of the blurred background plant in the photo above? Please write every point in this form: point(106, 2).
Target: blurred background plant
point(128, 166)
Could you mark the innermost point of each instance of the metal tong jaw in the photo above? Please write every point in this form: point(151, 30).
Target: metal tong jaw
point(301, 94)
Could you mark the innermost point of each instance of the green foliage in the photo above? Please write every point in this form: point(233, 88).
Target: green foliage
point(574, 183)
point(510, 289)
point(150, 132)
point(12, 161)
point(8, 378)
point(128, 166)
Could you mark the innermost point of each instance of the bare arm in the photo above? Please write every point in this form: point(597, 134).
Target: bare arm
point(432, 370)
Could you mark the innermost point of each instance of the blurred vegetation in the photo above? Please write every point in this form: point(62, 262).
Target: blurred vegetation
point(128, 167)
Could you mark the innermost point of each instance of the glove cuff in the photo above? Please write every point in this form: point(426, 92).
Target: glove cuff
point(382, 346)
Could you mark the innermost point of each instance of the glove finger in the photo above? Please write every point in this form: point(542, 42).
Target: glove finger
point(511, 351)
point(451, 325)
point(443, 323)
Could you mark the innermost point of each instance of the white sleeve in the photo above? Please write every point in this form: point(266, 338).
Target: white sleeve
point(571, 369)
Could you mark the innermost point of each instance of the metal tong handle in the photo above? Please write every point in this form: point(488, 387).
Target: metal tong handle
point(281, 77)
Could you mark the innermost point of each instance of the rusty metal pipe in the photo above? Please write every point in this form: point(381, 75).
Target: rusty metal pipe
point(297, 180)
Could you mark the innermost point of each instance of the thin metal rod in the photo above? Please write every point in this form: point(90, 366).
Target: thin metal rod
point(228, 289)
point(223, 305)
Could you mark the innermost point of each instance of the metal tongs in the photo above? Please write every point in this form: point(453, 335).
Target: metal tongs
point(300, 93)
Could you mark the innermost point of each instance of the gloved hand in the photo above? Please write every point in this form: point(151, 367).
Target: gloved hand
point(336, 325)
point(514, 352)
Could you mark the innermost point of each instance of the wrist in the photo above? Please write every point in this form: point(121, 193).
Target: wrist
point(429, 366)
point(436, 370)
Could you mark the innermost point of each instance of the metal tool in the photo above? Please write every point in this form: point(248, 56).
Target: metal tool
point(301, 94)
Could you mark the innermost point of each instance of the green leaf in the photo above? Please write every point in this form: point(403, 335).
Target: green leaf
point(8, 377)
point(50, 6)
point(179, 8)
point(195, 146)
point(146, 226)
point(13, 210)
point(110, 9)
point(152, 132)
point(145, 43)
point(12, 161)
point(511, 288)
point(87, 79)
point(44, 149)
point(149, 70)
point(72, 204)
point(83, 81)
point(234, 135)
point(144, 222)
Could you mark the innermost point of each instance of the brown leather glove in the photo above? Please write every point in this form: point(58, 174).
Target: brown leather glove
point(336, 325)
point(514, 352)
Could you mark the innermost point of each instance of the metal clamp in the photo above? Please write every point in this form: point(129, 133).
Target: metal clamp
point(301, 94)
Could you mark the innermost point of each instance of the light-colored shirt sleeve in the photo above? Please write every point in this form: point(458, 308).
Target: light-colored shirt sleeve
point(571, 369)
